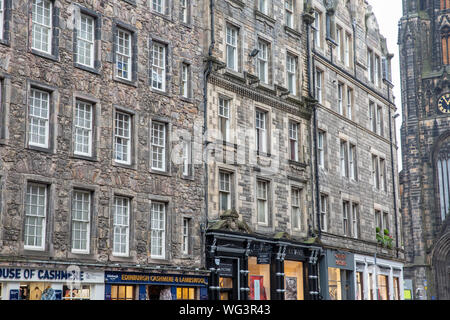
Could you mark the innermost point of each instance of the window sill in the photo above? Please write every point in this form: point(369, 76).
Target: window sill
point(238, 2)
point(86, 68)
point(132, 83)
point(5, 42)
point(235, 74)
point(124, 165)
point(226, 143)
point(267, 87)
point(45, 55)
point(265, 17)
point(161, 92)
point(87, 158)
point(161, 15)
point(162, 173)
point(132, 2)
point(40, 149)
point(188, 100)
point(189, 177)
point(297, 163)
point(292, 31)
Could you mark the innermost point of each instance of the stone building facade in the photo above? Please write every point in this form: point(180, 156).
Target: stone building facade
point(258, 142)
point(423, 39)
point(99, 104)
point(356, 182)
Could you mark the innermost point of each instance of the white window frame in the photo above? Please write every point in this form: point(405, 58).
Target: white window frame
point(294, 130)
point(375, 172)
point(40, 215)
point(263, 61)
point(382, 179)
point(262, 197)
point(261, 130)
point(317, 28)
point(339, 41)
point(289, 13)
point(324, 211)
point(343, 156)
point(2, 22)
point(355, 220)
point(185, 80)
point(158, 230)
point(158, 145)
point(187, 157)
point(159, 6)
point(89, 43)
point(347, 48)
point(319, 74)
point(379, 117)
point(41, 120)
point(159, 71)
point(184, 10)
point(353, 165)
point(291, 73)
point(186, 236)
point(349, 103)
point(122, 136)
point(225, 183)
point(224, 118)
point(85, 210)
point(340, 98)
point(345, 217)
point(121, 227)
point(321, 147)
point(296, 208)
point(83, 127)
point(377, 70)
point(45, 27)
point(231, 41)
point(263, 6)
point(124, 54)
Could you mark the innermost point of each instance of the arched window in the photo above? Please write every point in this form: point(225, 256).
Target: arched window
point(445, 40)
point(443, 176)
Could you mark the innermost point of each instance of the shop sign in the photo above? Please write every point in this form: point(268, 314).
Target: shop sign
point(13, 294)
point(148, 278)
point(340, 259)
point(226, 269)
point(263, 258)
point(49, 275)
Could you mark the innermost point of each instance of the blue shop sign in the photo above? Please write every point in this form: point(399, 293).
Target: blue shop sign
point(112, 277)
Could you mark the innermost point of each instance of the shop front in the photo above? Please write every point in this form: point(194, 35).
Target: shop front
point(246, 267)
point(378, 279)
point(71, 283)
point(337, 280)
point(152, 286)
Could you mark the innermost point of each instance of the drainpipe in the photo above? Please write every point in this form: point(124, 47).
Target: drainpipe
point(389, 87)
point(207, 73)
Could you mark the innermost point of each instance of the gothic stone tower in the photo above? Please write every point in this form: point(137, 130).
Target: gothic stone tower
point(424, 40)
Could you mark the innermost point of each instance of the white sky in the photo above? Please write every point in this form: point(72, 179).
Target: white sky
point(388, 14)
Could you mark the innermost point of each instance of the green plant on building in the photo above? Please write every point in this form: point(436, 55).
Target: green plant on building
point(384, 239)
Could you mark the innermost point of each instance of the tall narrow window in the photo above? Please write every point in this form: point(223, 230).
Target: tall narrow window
point(445, 49)
point(317, 29)
point(291, 73)
point(289, 12)
point(370, 65)
point(184, 11)
point(375, 172)
point(81, 212)
point(443, 178)
point(382, 174)
point(159, 66)
point(377, 70)
point(35, 216)
point(378, 220)
point(2, 20)
point(39, 118)
point(347, 49)
point(319, 85)
point(263, 61)
point(186, 158)
point(158, 147)
point(224, 191)
point(224, 118)
point(42, 25)
point(385, 221)
point(83, 128)
point(185, 92)
point(158, 230)
point(344, 158)
point(123, 54)
point(355, 219)
point(379, 127)
point(186, 223)
point(121, 221)
point(158, 6)
point(340, 98)
point(263, 6)
point(231, 43)
point(296, 208)
point(339, 41)
point(321, 148)
point(122, 138)
point(293, 140)
point(261, 131)
point(85, 41)
point(345, 214)
point(349, 103)
point(324, 212)
point(372, 117)
point(262, 201)
point(352, 162)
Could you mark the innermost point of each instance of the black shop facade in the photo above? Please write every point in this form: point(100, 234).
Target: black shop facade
point(246, 266)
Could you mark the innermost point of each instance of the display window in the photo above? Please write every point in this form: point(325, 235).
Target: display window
point(258, 280)
point(81, 293)
point(396, 288)
point(122, 292)
point(155, 292)
point(383, 287)
point(359, 286)
point(36, 291)
point(186, 293)
point(226, 288)
point(293, 278)
point(334, 284)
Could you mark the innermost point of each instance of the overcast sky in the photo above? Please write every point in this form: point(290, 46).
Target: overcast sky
point(388, 14)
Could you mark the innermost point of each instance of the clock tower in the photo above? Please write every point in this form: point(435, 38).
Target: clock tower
point(424, 44)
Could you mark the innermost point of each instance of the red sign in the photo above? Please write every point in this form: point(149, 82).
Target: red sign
point(341, 259)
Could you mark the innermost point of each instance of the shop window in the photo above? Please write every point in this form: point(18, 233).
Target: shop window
point(360, 286)
point(184, 293)
point(122, 292)
point(338, 284)
point(396, 288)
point(258, 280)
point(36, 291)
point(82, 293)
point(383, 287)
point(293, 277)
point(158, 293)
point(370, 286)
point(226, 288)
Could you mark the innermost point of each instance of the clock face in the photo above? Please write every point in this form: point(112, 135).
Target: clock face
point(444, 103)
